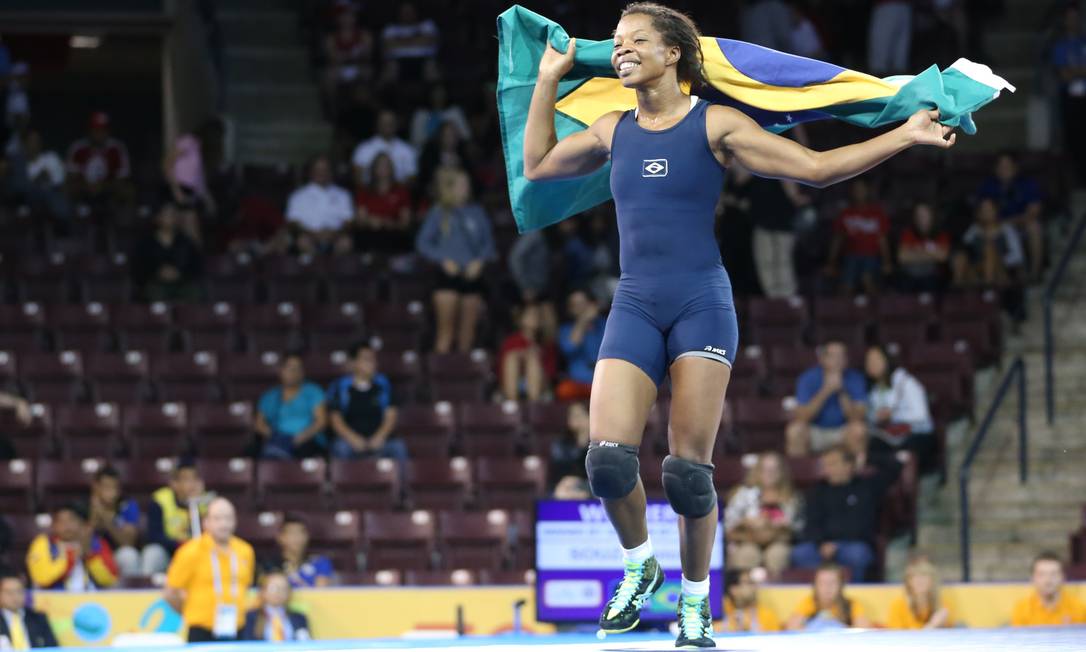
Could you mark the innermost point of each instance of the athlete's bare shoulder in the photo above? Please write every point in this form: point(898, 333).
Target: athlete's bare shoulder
point(720, 121)
point(604, 127)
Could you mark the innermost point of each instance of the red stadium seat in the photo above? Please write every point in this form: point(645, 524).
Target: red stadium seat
point(84, 327)
point(489, 429)
point(455, 577)
point(509, 483)
point(248, 376)
point(786, 364)
point(323, 368)
point(274, 327)
point(907, 334)
point(141, 477)
point(144, 327)
point(25, 527)
point(293, 278)
point(260, 529)
point(299, 485)
point(233, 479)
point(16, 486)
point(910, 308)
point(338, 323)
point(399, 326)
point(22, 327)
point(404, 289)
point(337, 536)
point(34, 440)
point(221, 430)
point(404, 371)
point(843, 310)
point(459, 377)
point(760, 423)
point(230, 278)
point(475, 539)
point(427, 430)
point(777, 321)
point(805, 471)
point(439, 483)
point(399, 540)
point(89, 430)
point(119, 377)
point(54, 377)
point(854, 336)
point(44, 279)
point(749, 372)
point(365, 484)
point(159, 430)
point(189, 377)
point(208, 326)
point(58, 483)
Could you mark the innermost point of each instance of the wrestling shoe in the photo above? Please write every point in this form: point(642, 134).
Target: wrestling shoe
point(695, 622)
point(623, 610)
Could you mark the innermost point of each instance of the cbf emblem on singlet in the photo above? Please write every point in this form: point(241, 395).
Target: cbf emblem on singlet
point(654, 167)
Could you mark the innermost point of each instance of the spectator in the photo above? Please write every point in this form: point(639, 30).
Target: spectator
point(923, 252)
point(889, 37)
point(572, 487)
point(383, 214)
point(576, 264)
point(167, 264)
point(301, 569)
point(363, 415)
point(98, 167)
point(45, 175)
point(991, 256)
point(71, 557)
point(568, 452)
point(1069, 59)
point(742, 613)
point(527, 362)
point(860, 242)
point(580, 340)
point(23, 417)
point(117, 520)
point(804, 38)
point(21, 627)
point(17, 104)
point(898, 416)
point(762, 515)
point(274, 620)
point(446, 148)
point(184, 166)
point(767, 23)
point(830, 400)
point(843, 514)
point(349, 52)
point(1049, 603)
point(921, 606)
point(530, 269)
point(291, 418)
point(410, 45)
point(456, 236)
point(827, 607)
point(171, 515)
point(385, 141)
point(319, 211)
point(428, 121)
point(772, 205)
point(1019, 199)
point(209, 577)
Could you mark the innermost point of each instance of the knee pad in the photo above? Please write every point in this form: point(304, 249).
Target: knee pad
point(689, 487)
point(612, 469)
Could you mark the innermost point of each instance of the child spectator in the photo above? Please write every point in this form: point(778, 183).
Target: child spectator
point(291, 418)
point(167, 264)
point(301, 569)
point(923, 252)
point(526, 362)
point(921, 606)
point(384, 217)
point(1049, 603)
point(860, 241)
point(830, 399)
point(1019, 200)
point(898, 416)
point(363, 416)
point(170, 515)
point(742, 613)
point(827, 607)
point(72, 557)
point(580, 340)
point(762, 515)
point(274, 620)
point(568, 453)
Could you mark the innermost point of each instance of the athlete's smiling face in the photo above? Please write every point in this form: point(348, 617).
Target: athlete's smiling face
point(639, 53)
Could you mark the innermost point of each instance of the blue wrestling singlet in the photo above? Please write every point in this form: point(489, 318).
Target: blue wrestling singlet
point(674, 297)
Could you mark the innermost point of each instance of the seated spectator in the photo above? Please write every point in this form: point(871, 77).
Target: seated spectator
point(568, 453)
point(991, 256)
point(71, 557)
point(446, 148)
point(167, 264)
point(117, 520)
point(384, 217)
point(23, 417)
point(98, 167)
point(572, 487)
point(527, 362)
point(45, 176)
point(17, 101)
point(319, 211)
point(889, 37)
point(456, 237)
point(830, 406)
point(294, 561)
point(762, 515)
point(410, 47)
point(1049, 603)
point(860, 245)
point(1018, 198)
point(184, 167)
point(742, 613)
point(385, 141)
point(898, 416)
point(170, 515)
point(1068, 56)
point(580, 340)
point(291, 418)
point(428, 120)
point(843, 514)
point(21, 627)
point(274, 620)
point(363, 415)
point(530, 270)
point(923, 252)
point(349, 51)
point(920, 607)
point(827, 607)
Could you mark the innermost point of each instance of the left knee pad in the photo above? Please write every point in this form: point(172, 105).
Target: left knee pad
point(689, 487)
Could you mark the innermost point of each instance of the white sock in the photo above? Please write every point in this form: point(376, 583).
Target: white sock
point(695, 589)
point(639, 553)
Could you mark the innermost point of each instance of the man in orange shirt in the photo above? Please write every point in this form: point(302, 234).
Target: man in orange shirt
point(1049, 603)
point(209, 577)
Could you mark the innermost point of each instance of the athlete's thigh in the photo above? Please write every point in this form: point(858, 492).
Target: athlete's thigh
point(622, 396)
point(698, 386)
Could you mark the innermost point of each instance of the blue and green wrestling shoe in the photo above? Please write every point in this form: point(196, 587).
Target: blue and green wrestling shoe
point(623, 610)
point(695, 623)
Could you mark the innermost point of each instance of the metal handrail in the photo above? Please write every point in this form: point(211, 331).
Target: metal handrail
point(1016, 370)
point(1049, 298)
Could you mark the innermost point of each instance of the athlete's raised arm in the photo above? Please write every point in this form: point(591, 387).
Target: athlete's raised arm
point(546, 157)
point(733, 134)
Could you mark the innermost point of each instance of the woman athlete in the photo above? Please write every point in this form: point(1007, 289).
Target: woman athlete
point(673, 311)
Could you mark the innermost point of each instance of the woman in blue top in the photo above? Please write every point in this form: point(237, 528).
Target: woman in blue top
point(673, 312)
point(291, 417)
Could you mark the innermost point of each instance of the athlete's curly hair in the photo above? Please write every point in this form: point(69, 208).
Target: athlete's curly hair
point(676, 28)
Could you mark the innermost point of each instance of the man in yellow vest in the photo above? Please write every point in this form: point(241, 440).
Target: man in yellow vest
point(21, 628)
point(209, 576)
point(169, 522)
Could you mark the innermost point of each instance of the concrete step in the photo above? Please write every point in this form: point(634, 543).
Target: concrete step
point(250, 5)
point(1011, 45)
point(258, 27)
point(254, 64)
point(263, 101)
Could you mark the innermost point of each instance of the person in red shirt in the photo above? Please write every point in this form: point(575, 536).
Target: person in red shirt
point(923, 252)
point(860, 242)
point(526, 365)
point(384, 216)
point(98, 167)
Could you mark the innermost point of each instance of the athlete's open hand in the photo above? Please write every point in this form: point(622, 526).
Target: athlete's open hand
point(554, 65)
point(925, 129)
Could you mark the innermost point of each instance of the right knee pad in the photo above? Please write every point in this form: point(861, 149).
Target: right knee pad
point(612, 469)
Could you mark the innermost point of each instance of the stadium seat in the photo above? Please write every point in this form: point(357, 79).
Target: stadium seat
point(43, 279)
point(273, 327)
point(509, 483)
point(188, 377)
point(208, 326)
point(475, 539)
point(777, 321)
point(906, 334)
point(333, 325)
point(978, 334)
point(221, 430)
point(728, 473)
point(89, 430)
point(805, 471)
point(322, 368)
point(16, 486)
point(158, 430)
point(843, 310)
point(454, 577)
point(249, 375)
point(383, 577)
point(35, 440)
point(365, 484)
point(853, 335)
point(404, 371)
point(749, 372)
point(260, 529)
point(399, 326)
point(405, 289)
point(105, 278)
point(399, 540)
point(25, 527)
point(439, 483)
point(459, 377)
point(118, 377)
point(546, 422)
point(786, 363)
point(910, 308)
point(427, 429)
point(336, 535)
point(230, 278)
point(760, 423)
point(144, 327)
point(54, 377)
point(293, 278)
point(141, 477)
point(233, 479)
point(490, 429)
point(22, 327)
point(82, 327)
point(298, 485)
point(61, 482)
